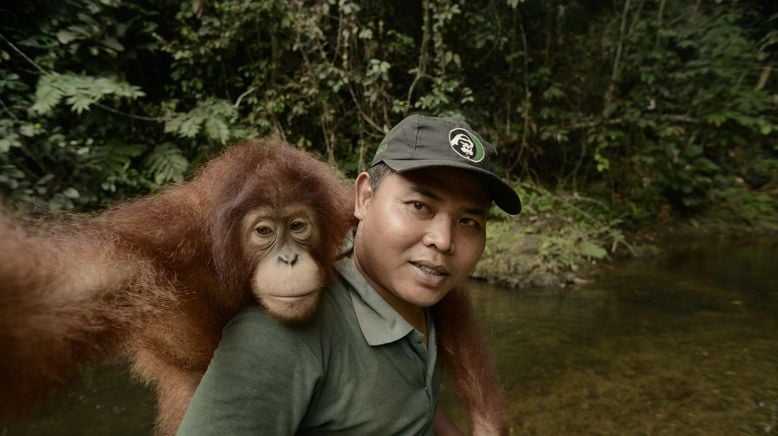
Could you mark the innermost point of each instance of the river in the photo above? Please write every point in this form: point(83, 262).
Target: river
point(682, 344)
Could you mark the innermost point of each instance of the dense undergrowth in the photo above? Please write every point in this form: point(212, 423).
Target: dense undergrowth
point(560, 237)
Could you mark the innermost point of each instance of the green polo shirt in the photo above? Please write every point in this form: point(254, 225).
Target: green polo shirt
point(357, 368)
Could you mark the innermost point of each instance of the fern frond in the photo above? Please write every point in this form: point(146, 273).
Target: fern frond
point(167, 163)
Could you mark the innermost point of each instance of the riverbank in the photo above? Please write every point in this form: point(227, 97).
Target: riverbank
point(563, 239)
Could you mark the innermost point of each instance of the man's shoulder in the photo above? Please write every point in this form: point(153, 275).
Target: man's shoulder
point(328, 319)
point(254, 338)
point(252, 325)
point(251, 317)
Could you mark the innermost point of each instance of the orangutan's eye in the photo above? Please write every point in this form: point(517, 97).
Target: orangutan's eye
point(297, 226)
point(263, 230)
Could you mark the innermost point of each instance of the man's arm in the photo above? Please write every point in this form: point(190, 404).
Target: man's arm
point(260, 381)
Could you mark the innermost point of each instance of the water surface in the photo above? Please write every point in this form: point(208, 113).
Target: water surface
point(685, 344)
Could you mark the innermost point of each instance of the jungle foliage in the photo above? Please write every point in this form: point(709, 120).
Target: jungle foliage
point(653, 107)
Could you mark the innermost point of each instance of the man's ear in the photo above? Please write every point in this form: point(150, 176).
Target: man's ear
point(364, 195)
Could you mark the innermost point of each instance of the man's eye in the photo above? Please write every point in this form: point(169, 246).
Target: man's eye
point(417, 205)
point(471, 222)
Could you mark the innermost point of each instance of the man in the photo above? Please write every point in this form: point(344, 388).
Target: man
point(367, 362)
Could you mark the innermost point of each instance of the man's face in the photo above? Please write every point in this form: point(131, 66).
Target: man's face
point(420, 234)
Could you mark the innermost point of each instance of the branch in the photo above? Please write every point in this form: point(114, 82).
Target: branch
point(362, 113)
point(423, 55)
point(763, 76)
point(129, 115)
point(240, 97)
point(7, 109)
point(659, 15)
point(21, 53)
point(617, 60)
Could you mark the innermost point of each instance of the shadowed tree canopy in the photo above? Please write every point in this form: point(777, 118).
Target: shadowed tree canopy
point(644, 104)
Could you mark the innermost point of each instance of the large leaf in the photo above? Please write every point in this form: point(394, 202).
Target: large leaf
point(167, 163)
point(79, 91)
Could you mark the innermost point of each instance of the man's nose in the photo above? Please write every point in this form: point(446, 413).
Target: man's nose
point(440, 234)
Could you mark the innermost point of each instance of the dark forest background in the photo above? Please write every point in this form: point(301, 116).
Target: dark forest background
point(651, 109)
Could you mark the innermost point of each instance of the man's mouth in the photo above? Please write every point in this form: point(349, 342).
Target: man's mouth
point(435, 270)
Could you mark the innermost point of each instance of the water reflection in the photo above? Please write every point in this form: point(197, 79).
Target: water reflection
point(105, 402)
point(683, 344)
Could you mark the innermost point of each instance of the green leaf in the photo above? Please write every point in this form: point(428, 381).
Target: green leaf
point(8, 141)
point(191, 126)
point(71, 193)
point(66, 36)
point(706, 165)
point(27, 130)
point(80, 102)
point(47, 94)
point(592, 250)
point(694, 150)
point(716, 118)
point(113, 43)
point(217, 129)
point(553, 93)
point(79, 91)
point(115, 157)
point(167, 163)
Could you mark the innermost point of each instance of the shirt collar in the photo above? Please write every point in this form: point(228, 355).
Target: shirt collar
point(379, 322)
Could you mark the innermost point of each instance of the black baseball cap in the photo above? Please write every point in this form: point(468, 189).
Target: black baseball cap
point(420, 141)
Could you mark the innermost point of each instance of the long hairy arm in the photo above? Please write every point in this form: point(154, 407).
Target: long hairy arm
point(470, 364)
point(68, 297)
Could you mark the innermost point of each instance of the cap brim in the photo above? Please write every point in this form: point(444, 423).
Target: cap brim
point(502, 193)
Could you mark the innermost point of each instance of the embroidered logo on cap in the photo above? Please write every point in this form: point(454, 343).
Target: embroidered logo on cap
point(466, 145)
